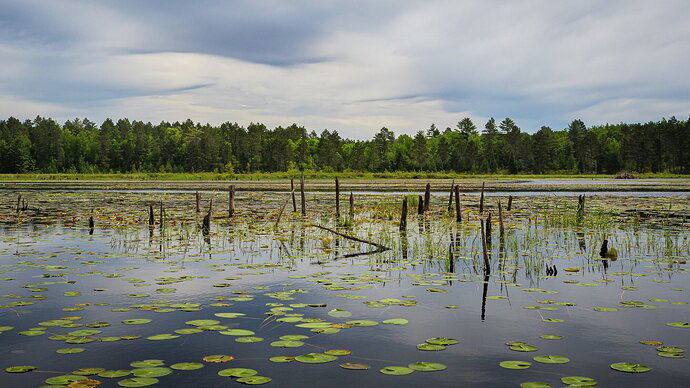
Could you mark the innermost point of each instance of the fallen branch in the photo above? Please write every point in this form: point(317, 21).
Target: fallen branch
point(380, 247)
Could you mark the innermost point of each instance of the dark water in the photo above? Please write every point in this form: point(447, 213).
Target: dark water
point(260, 260)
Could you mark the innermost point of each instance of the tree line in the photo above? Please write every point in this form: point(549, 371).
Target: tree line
point(81, 146)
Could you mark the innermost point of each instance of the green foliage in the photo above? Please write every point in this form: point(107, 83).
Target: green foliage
point(80, 146)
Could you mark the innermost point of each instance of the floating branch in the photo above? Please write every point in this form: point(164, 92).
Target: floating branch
point(380, 247)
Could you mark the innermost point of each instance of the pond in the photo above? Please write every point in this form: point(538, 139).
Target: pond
point(130, 305)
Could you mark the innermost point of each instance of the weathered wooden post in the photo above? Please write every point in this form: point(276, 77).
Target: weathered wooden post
point(420, 205)
point(19, 201)
point(485, 254)
point(337, 198)
point(510, 202)
point(292, 189)
point(198, 209)
point(481, 200)
point(427, 197)
point(231, 201)
point(403, 215)
point(152, 218)
point(160, 216)
point(352, 206)
point(303, 200)
point(458, 212)
point(206, 224)
point(91, 225)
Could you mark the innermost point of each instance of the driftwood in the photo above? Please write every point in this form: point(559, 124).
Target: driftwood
point(282, 208)
point(381, 248)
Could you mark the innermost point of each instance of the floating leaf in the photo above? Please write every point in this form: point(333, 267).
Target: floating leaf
point(138, 382)
point(551, 359)
point(20, 369)
point(630, 367)
point(282, 359)
point(146, 363)
point(111, 374)
point(430, 347)
point(396, 321)
point(354, 366)
point(237, 332)
point(442, 341)
point(237, 372)
point(535, 384)
point(515, 364)
point(396, 370)
point(551, 337)
point(69, 350)
point(338, 352)
point(64, 379)
point(187, 366)
point(339, 313)
point(218, 358)
point(136, 321)
point(579, 381)
point(362, 322)
point(287, 344)
point(161, 337)
point(248, 339)
point(427, 366)
point(151, 372)
point(315, 358)
point(679, 324)
point(254, 380)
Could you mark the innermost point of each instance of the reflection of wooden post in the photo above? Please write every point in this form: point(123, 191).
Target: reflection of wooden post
point(231, 201)
point(481, 200)
point(294, 201)
point(420, 205)
point(427, 198)
point(152, 219)
point(403, 214)
point(198, 209)
point(91, 225)
point(510, 202)
point(500, 219)
point(352, 205)
point(488, 230)
point(337, 198)
point(458, 213)
point(487, 264)
point(301, 189)
point(450, 197)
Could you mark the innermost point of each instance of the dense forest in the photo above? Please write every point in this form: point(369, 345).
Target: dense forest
point(82, 146)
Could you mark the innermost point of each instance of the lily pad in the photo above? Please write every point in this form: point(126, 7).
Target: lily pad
point(551, 359)
point(161, 337)
point(442, 341)
point(112, 374)
point(535, 384)
point(138, 382)
point(151, 372)
point(396, 321)
point(515, 364)
point(315, 358)
point(579, 381)
point(69, 350)
point(630, 367)
point(187, 366)
point(427, 366)
point(218, 358)
point(354, 366)
point(396, 370)
point(20, 369)
point(254, 380)
point(679, 324)
point(136, 321)
point(64, 379)
point(237, 372)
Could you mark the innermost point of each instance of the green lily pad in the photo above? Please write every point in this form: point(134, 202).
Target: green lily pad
point(354, 366)
point(254, 380)
point(188, 331)
point(146, 363)
point(315, 358)
point(427, 366)
point(671, 355)
point(237, 372)
point(430, 347)
point(396, 321)
point(515, 364)
point(187, 366)
point(362, 322)
point(579, 381)
point(202, 322)
point(151, 372)
point(136, 321)
point(69, 350)
point(535, 384)
point(630, 367)
point(282, 359)
point(138, 382)
point(20, 369)
point(229, 315)
point(523, 347)
point(161, 337)
point(294, 337)
point(84, 333)
point(87, 371)
point(679, 324)
point(338, 352)
point(551, 359)
point(442, 341)
point(287, 344)
point(64, 379)
point(396, 370)
point(605, 309)
point(248, 339)
point(237, 332)
point(339, 313)
point(551, 337)
point(114, 374)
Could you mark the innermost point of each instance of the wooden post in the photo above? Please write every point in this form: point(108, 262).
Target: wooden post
point(294, 201)
point(481, 200)
point(198, 209)
point(301, 189)
point(420, 205)
point(403, 214)
point(458, 212)
point(231, 201)
point(352, 206)
point(152, 219)
point(510, 202)
point(500, 219)
point(427, 198)
point(91, 225)
point(337, 198)
point(160, 216)
point(19, 201)
point(450, 197)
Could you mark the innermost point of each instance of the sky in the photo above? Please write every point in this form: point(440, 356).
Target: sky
point(351, 66)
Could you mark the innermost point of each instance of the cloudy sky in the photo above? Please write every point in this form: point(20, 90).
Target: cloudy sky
point(353, 66)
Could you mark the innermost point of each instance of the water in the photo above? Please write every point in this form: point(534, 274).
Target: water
point(257, 259)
